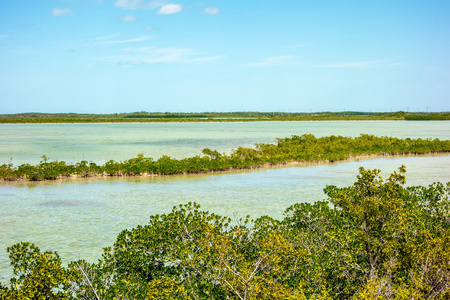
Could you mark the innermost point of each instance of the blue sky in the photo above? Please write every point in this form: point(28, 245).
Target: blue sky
point(112, 56)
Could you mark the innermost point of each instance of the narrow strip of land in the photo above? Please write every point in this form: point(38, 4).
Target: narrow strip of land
point(155, 117)
point(294, 150)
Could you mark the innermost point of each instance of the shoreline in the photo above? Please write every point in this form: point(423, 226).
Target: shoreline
point(103, 175)
point(212, 121)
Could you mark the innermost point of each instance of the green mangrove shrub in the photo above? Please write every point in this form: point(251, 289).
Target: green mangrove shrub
point(375, 239)
point(305, 148)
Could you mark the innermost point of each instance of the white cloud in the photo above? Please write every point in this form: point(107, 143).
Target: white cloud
point(140, 55)
point(210, 11)
point(128, 4)
point(129, 18)
point(169, 9)
point(107, 37)
point(274, 61)
point(57, 12)
point(165, 8)
point(355, 64)
point(138, 49)
point(157, 3)
point(139, 39)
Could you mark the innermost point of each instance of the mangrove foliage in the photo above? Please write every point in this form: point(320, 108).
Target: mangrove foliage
point(305, 148)
point(375, 239)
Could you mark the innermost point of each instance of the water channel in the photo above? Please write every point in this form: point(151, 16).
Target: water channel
point(78, 218)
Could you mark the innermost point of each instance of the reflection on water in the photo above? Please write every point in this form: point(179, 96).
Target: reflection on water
point(78, 218)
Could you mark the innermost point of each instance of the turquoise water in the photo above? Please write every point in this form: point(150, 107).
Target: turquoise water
point(78, 218)
point(26, 143)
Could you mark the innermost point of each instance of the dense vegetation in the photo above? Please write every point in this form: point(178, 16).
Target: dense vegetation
point(376, 239)
point(215, 117)
point(305, 148)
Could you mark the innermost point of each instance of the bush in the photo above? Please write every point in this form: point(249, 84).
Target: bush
point(375, 239)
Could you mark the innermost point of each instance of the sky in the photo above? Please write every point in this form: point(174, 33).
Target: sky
point(115, 56)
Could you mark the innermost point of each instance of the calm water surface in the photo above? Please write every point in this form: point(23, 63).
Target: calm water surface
point(26, 143)
point(78, 218)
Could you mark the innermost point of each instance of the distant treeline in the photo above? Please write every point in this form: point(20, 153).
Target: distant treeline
point(215, 117)
point(305, 148)
point(164, 116)
point(426, 117)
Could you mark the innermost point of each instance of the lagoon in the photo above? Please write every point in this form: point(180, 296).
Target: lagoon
point(78, 218)
point(26, 143)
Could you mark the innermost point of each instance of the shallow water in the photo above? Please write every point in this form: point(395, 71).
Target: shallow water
point(78, 218)
point(26, 143)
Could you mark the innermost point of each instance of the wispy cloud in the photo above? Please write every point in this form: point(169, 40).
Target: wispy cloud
point(169, 9)
point(139, 39)
point(355, 64)
point(3, 36)
point(129, 18)
point(274, 61)
point(102, 38)
point(141, 55)
point(157, 3)
point(165, 8)
point(210, 11)
point(128, 4)
point(58, 12)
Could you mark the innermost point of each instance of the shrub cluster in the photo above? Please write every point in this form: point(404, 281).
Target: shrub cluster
point(375, 239)
point(305, 148)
